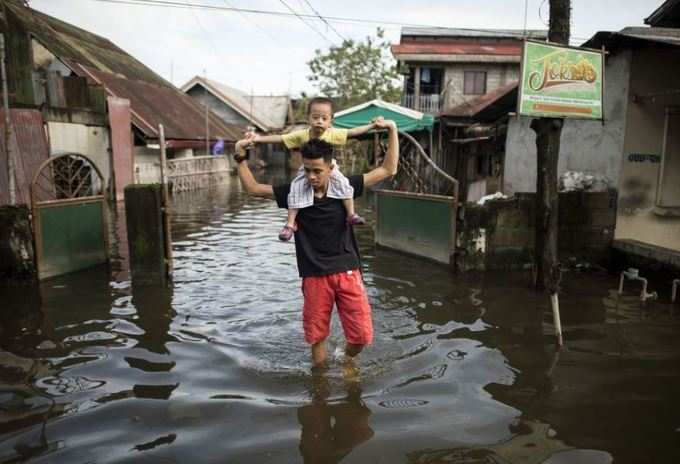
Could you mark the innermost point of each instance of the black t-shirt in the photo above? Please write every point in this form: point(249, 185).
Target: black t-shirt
point(324, 242)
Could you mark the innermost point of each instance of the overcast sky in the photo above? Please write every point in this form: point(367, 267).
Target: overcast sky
point(268, 54)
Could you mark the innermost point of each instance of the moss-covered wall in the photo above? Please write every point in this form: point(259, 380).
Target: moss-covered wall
point(16, 244)
point(500, 233)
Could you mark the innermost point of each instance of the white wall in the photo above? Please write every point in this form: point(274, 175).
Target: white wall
point(91, 141)
point(654, 71)
point(587, 146)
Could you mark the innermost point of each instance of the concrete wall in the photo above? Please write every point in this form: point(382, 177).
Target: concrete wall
point(91, 141)
point(654, 70)
point(500, 233)
point(497, 75)
point(225, 112)
point(586, 146)
point(147, 165)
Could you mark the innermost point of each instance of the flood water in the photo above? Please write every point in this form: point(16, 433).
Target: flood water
point(95, 369)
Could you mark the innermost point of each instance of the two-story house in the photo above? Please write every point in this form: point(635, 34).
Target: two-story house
point(444, 68)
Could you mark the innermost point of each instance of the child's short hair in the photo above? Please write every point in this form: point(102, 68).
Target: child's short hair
point(317, 100)
point(317, 148)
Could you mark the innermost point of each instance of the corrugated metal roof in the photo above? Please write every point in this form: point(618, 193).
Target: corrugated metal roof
point(457, 48)
point(28, 146)
point(153, 104)
point(474, 33)
point(663, 35)
point(153, 99)
point(265, 112)
point(274, 108)
point(667, 15)
point(67, 41)
point(481, 103)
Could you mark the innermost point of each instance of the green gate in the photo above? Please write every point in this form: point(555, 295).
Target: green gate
point(417, 208)
point(69, 215)
point(418, 224)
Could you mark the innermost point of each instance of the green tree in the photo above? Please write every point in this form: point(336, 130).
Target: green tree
point(355, 72)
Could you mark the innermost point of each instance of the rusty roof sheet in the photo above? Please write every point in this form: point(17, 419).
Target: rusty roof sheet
point(153, 100)
point(476, 106)
point(76, 44)
point(266, 112)
point(153, 104)
point(474, 33)
point(457, 48)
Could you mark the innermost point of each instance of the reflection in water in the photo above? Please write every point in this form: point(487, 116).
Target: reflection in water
point(533, 442)
point(331, 430)
point(97, 368)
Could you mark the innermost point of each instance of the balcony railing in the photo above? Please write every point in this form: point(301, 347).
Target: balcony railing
point(426, 103)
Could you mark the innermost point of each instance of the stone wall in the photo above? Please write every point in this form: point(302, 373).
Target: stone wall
point(500, 234)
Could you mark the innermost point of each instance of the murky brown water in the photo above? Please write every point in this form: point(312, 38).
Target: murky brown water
point(214, 369)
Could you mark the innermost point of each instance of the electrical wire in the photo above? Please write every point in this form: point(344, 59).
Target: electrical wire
point(324, 20)
point(257, 26)
point(335, 19)
point(307, 23)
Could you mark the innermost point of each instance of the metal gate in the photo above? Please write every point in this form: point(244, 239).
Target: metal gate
point(417, 209)
point(69, 215)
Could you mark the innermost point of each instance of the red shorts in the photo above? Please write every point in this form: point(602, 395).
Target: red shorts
point(346, 290)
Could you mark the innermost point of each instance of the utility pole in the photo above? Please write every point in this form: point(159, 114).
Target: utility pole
point(548, 133)
point(11, 178)
point(207, 121)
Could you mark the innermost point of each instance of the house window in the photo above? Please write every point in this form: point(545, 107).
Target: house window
point(475, 83)
point(668, 189)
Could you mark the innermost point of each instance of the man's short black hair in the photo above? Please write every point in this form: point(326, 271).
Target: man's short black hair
point(319, 100)
point(317, 148)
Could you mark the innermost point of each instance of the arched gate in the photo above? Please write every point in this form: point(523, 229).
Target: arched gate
point(69, 215)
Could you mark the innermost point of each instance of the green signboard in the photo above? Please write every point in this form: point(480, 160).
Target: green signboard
point(561, 82)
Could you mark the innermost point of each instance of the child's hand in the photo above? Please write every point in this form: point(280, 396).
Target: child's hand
point(382, 123)
point(247, 141)
point(252, 136)
point(377, 121)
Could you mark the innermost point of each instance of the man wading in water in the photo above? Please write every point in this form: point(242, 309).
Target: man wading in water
point(326, 250)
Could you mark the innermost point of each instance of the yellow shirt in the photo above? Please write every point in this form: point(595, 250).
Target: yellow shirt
point(331, 135)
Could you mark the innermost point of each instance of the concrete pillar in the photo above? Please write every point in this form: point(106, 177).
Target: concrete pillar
point(145, 232)
point(416, 89)
point(17, 259)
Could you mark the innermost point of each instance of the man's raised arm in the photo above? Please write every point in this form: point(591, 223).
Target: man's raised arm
point(389, 165)
point(244, 173)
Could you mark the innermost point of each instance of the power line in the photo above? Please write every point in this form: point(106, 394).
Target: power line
point(306, 23)
point(257, 26)
point(324, 20)
point(336, 19)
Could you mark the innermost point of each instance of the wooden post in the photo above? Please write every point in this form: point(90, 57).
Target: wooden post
point(11, 176)
point(146, 239)
point(548, 133)
point(166, 202)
